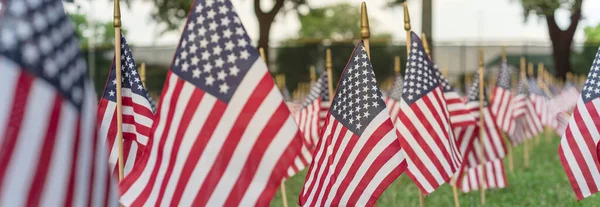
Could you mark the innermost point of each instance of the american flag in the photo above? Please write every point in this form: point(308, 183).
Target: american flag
point(539, 99)
point(524, 109)
point(501, 99)
point(359, 154)
point(51, 154)
point(222, 135)
point(424, 123)
point(493, 144)
point(310, 119)
point(578, 147)
point(136, 109)
point(392, 99)
point(494, 174)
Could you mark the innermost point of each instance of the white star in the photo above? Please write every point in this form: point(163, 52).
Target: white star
point(217, 50)
point(375, 104)
point(211, 14)
point(203, 43)
point(205, 55)
point(195, 60)
point(229, 45)
point(191, 26)
point(185, 67)
point(234, 71)
point(587, 95)
point(223, 88)
point(114, 82)
point(209, 80)
point(214, 38)
point(244, 54)
point(193, 48)
point(225, 21)
point(196, 73)
point(219, 63)
point(358, 126)
point(221, 75)
point(137, 80)
point(231, 58)
point(207, 68)
point(227, 33)
point(184, 55)
point(239, 31)
point(111, 93)
point(139, 87)
point(242, 43)
point(200, 19)
point(199, 8)
point(223, 9)
point(212, 26)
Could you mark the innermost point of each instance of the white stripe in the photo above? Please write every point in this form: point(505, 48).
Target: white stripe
point(182, 103)
point(442, 134)
point(385, 170)
point(197, 122)
point(228, 119)
point(311, 175)
point(328, 151)
point(8, 81)
point(140, 119)
point(337, 157)
point(137, 187)
point(60, 164)
point(246, 143)
point(267, 164)
point(497, 141)
point(23, 163)
point(573, 164)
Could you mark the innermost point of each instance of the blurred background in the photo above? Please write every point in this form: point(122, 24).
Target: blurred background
point(562, 34)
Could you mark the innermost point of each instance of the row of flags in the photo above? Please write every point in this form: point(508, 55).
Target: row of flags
point(223, 133)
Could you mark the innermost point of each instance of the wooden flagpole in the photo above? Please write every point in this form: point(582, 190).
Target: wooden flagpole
point(143, 74)
point(397, 65)
point(329, 67)
point(408, 43)
point(481, 126)
point(453, 181)
point(117, 25)
point(526, 141)
point(282, 187)
point(313, 74)
point(509, 148)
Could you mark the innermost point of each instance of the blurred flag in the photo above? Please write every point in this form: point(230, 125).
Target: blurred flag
point(223, 136)
point(50, 152)
point(424, 124)
point(310, 119)
point(137, 113)
point(578, 147)
point(392, 99)
point(493, 144)
point(524, 109)
point(359, 155)
point(493, 172)
point(539, 99)
point(287, 96)
point(501, 100)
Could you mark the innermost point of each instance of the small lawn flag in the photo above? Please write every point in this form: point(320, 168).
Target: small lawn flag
point(501, 100)
point(524, 109)
point(392, 99)
point(359, 154)
point(578, 149)
point(495, 176)
point(137, 114)
point(223, 136)
point(50, 153)
point(539, 99)
point(424, 123)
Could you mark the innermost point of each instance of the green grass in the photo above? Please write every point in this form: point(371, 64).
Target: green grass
point(544, 183)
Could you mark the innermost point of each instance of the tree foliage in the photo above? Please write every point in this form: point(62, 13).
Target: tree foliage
point(338, 22)
point(102, 32)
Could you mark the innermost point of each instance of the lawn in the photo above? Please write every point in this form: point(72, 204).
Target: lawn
point(544, 183)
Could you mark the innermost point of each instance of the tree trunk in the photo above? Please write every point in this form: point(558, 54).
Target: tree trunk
point(265, 20)
point(561, 54)
point(561, 42)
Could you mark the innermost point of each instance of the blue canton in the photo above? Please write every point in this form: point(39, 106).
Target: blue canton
point(534, 88)
point(130, 78)
point(358, 98)
point(39, 37)
point(319, 90)
point(419, 78)
point(474, 91)
point(504, 78)
point(214, 52)
point(443, 81)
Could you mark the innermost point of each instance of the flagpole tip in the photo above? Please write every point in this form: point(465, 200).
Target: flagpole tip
point(365, 33)
point(117, 15)
point(406, 17)
point(328, 63)
point(481, 57)
point(426, 45)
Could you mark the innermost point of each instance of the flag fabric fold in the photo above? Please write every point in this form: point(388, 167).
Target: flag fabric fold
point(358, 155)
point(222, 134)
point(578, 148)
point(424, 123)
point(51, 154)
point(137, 114)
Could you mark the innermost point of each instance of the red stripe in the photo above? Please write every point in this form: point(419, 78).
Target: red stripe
point(265, 139)
point(323, 144)
point(385, 156)
point(386, 182)
point(14, 121)
point(222, 160)
point(197, 149)
point(444, 126)
point(568, 168)
point(285, 160)
point(138, 108)
point(372, 141)
point(45, 157)
point(577, 152)
point(188, 114)
point(343, 161)
point(143, 197)
point(592, 145)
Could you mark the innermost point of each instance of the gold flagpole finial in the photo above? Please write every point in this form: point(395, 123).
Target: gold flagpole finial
point(365, 33)
point(117, 15)
point(445, 71)
point(426, 45)
point(530, 69)
point(329, 67)
point(481, 58)
point(397, 65)
point(261, 51)
point(143, 74)
point(540, 73)
point(523, 65)
point(407, 27)
point(504, 54)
